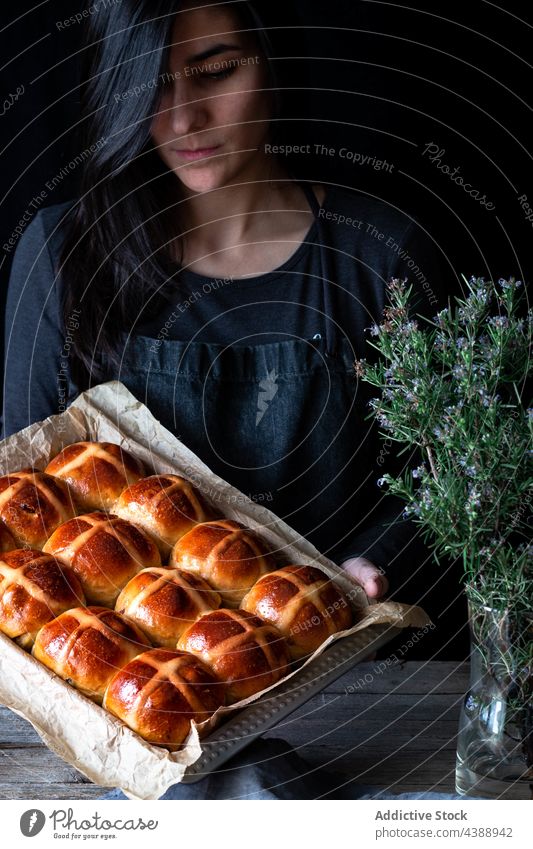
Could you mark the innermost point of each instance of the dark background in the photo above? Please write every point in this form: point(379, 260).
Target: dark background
point(382, 79)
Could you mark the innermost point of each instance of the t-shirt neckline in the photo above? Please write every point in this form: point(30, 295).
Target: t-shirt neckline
point(192, 279)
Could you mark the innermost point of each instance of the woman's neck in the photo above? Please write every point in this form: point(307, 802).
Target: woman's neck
point(228, 215)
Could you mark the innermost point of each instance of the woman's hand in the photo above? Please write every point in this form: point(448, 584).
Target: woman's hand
point(368, 576)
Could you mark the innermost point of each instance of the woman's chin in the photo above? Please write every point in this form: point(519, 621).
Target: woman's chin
point(199, 177)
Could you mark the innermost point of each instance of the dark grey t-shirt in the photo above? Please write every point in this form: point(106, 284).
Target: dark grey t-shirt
point(367, 242)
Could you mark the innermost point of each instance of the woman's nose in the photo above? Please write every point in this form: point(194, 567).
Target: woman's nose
point(188, 113)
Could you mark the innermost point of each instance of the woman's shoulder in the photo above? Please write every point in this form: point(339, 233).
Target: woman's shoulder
point(53, 215)
point(42, 238)
point(33, 279)
point(48, 225)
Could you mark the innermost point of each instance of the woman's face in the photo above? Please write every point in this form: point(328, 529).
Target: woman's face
point(214, 115)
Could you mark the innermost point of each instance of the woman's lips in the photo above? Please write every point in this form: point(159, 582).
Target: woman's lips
point(200, 153)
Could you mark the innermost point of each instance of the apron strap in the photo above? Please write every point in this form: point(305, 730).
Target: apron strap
point(325, 271)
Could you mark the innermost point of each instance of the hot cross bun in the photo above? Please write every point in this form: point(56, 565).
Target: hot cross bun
point(160, 692)
point(87, 645)
point(227, 554)
point(165, 506)
point(33, 504)
point(164, 602)
point(97, 472)
point(303, 603)
point(240, 649)
point(34, 589)
point(104, 551)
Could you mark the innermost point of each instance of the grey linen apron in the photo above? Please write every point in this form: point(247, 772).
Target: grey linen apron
point(283, 422)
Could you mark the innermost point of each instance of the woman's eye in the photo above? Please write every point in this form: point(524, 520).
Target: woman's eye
point(220, 75)
point(166, 81)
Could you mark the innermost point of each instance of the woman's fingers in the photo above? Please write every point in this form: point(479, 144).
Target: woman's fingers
point(367, 575)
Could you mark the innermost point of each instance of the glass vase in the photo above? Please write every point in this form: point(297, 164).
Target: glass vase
point(495, 742)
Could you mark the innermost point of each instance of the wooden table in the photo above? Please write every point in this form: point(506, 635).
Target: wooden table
point(393, 728)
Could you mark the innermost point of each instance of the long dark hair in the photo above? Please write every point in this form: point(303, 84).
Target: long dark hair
point(115, 264)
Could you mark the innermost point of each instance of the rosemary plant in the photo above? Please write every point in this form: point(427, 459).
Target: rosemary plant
point(455, 388)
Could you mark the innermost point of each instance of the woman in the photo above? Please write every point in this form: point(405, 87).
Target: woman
point(228, 297)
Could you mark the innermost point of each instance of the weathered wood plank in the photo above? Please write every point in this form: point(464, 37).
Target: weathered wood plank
point(50, 791)
point(372, 740)
point(27, 765)
point(364, 706)
point(15, 730)
point(410, 678)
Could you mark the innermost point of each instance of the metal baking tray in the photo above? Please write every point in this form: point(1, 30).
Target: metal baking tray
point(253, 721)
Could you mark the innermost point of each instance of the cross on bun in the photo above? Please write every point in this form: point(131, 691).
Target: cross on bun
point(97, 472)
point(34, 589)
point(159, 692)
point(240, 649)
point(33, 504)
point(227, 554)
point(87, 645)
point(303, 603)
point(104, 551)
point(165, 506)
point(164, 602)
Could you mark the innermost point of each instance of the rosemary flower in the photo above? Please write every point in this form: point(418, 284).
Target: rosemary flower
point(501, 321)
point(441, 317)
point(509, 284)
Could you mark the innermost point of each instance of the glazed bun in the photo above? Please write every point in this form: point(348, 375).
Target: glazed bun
point(32, 505)
point(166, 506)
point(160, 692)
point(303, 603)
point(164, 602)
point(104, 552)
point(7, 540)
point(227, 554)
point(34, 589)
point(87, 645)
point(97, 472)
point(242, 650)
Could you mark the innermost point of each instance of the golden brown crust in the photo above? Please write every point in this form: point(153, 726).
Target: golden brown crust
point(165, 506)
point(104, 551)
point(33, 504)
point(164, 602)
point(160, 692)
point(7, 540)
point(34, 589)
point(240, 649)
point(227, 554)
point(304, 603)
point(97, 472)
point(86, 647)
